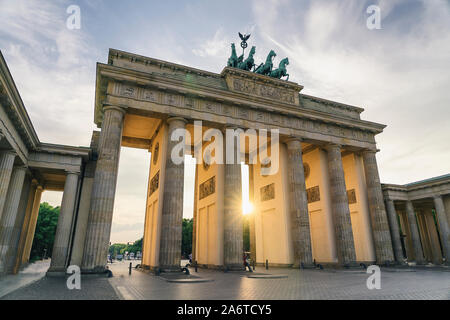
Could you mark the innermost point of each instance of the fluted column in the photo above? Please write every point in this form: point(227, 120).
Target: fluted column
point(339, 205)
point(232, 214)
point(195, 217)
point(395, 231)
point(443, 227)
point(23, 228)
point(32, 225)
point(378, 216)
point(13, 251)
point(6, 167)
point(417, 246)
point(172, 211)
point(300, 228)
point(103, 191)
point(10, 213)
point(60, 250)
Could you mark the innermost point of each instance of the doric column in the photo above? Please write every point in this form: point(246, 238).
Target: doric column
point(300, 228)
point(6, 167)
point(60, 250)
point(11, 256)
point(195, 217)
point(443, 227)
point(380, 225)
point(340, 209)
point(232, 214)
point(417, 246)
point(252, 222)
point(10, 213)
point(103, 191)
point(395, 231)
point(172, 211)
point(25, 225)
point(32, 225)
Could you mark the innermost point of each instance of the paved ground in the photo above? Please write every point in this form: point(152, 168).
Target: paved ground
point(305, 284)
point(299, 285)
point(27, 276)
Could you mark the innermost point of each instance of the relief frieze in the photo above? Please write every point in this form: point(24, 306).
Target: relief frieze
point(243, 112)
point(313, 194)
point(207, 188)
point(154, 184)
point(268, 192)
point(265, 91)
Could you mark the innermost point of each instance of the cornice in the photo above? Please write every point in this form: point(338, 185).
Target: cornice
point(15, 108)
point(157, 81)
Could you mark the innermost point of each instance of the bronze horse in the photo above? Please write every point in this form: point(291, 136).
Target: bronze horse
point(266, 68)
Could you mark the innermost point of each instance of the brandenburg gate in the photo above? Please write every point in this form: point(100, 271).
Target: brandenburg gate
point(313, 179)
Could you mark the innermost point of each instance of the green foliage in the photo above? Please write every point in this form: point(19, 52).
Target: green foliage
point(186, 240)
point(121, 248)
point(186, 243)
point(44, 235)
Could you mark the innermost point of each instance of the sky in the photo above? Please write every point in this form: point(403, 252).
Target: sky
point(399, 73)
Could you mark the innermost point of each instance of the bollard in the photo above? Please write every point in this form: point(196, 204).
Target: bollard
point(267, 264)
point(131, 267)
point(253, 264)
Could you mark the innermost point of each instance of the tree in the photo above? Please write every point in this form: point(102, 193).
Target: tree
point(186, 240)
point(44, 235)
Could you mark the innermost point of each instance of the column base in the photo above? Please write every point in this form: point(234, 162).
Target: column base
point(302, 265)
point(168, 269)
point(234, 267)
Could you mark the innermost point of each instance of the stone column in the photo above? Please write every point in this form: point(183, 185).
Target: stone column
point(25, 225)
point(415, 237)
point(252, 222)
point(6, 167)
point(443, 227)
point(13, 251)
point(395, 231)
point(32, 225)
point(300, 228)
point(233, 241)
point(380, 225)
point(10, 213)
point(103, 191)
point(340, 209)
point(195, 217)
point(63, 230)
point(172, 211)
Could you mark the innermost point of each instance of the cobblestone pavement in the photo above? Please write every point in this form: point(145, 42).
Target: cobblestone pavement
point(92, 288)
point(299, 284)
point(25, 277)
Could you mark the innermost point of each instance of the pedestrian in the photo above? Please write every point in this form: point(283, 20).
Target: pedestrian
point(246, 264)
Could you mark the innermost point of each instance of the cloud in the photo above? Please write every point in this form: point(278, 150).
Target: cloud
point(395, 73)
point(218, 45)
point(53, 68)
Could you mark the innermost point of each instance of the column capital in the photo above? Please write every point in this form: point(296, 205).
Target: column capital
point(181, 121)
point(294, 143)
point(77, 173)
point(368, 151)
point(331, 146)
point(21, 167)
point(437, 196)
point(107, 107)
point(11, 152)
point(39, 188)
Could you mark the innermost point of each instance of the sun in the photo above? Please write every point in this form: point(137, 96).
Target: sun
point(247, 208)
